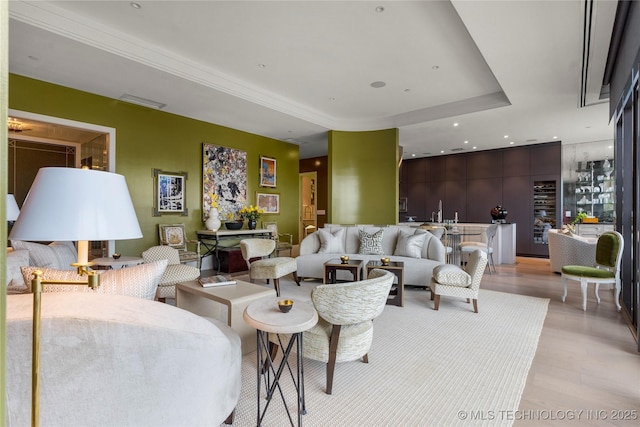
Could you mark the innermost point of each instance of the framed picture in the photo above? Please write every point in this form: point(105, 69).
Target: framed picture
point(169, 193)
point(402, 206)
point(224, 174)
point(267, 172)
point(268, 202)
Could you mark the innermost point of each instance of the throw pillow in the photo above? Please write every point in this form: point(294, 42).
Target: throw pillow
point(449, 274)
point(15, 260)
point(410, 245)
point(331, 243)
point(140, 281)
point(370, 244)
point(59, 256)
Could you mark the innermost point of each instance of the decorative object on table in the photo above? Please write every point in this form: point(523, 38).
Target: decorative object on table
point(252, 214)
point(51, 212)
point(233, 225)
point(115, 256)
point(268, 202)
point(224, 173)
point(499, 214)
point(213, 216)
point(170, 193)
point(344, 259)
point(579, 217)
point(285, 305)
point(267, 172)
point(217, 280)
point(384, 261)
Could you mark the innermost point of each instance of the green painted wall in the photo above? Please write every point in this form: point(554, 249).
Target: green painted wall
point(148, 139)
point(363, 177)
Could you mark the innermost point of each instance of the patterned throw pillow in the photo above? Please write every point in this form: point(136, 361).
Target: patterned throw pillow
point(331, 243)
point(56, 255)
point(410, 245)
point(140, 281)
point(370, 244)
point(449, 274)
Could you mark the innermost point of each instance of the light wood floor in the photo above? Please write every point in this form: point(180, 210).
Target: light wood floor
point(585, 361)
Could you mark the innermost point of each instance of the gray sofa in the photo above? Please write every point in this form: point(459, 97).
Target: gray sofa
point(347, 241)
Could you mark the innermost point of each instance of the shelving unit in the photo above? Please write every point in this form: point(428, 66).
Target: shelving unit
point(594, 190)
point(544, 210)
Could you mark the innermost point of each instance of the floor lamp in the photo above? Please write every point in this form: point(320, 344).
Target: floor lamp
point(66, 204)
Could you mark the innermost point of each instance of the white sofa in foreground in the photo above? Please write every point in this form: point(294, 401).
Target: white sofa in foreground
point(113, 360)
point(420, 250)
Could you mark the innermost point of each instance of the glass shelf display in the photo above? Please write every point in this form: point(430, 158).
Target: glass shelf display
point(593, 190)
point(544, 210)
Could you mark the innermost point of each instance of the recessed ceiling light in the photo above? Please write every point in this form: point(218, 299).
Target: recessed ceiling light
point(441, 151)
point(262, 66)
point(379, 9)
point(475, 147)
point(610, 147)
point(456, 124)
point(407, 90)
point(331, 98)
point(435, 67)
point(378, 84)
point(466, 142)
point(413, 155)
point(555, 137)
point(506, 136)
point(511, 143)
point(135, 5)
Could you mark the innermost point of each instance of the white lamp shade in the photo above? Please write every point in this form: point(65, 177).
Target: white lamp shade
point(77, 204)
point(12, 208)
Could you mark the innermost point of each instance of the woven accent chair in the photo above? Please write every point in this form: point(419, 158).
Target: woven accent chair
point(468, 247)
point(174, 235)
point(174, 273)
point(284, 241)
point(344, 331)
point(453, 281)
point(605, 271)
point(267, 268)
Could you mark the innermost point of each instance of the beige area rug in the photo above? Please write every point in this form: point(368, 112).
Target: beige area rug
point(450, 367)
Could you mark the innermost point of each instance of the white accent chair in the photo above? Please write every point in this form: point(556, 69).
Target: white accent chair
point(451, 280)
point(265, 267)
point(466, 248)
point(344, 331)
point(176, 272)
point(606, 269)
point(284, 241)
point(570, 249)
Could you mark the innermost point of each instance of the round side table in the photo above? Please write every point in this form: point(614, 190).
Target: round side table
point(266, 317)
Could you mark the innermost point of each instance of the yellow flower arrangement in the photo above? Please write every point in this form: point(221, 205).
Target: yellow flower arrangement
point(251, 212)
point(214, 201)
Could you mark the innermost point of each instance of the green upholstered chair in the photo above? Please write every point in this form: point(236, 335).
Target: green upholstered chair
point(606, 269)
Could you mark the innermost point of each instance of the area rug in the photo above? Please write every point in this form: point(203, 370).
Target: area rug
point(450, 367)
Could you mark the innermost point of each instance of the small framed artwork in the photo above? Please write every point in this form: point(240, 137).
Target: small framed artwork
point(267, 172)
point(268, 202)
point(402, 206)
point(169, 193)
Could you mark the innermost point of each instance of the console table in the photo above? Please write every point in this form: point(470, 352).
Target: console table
point(211, 240)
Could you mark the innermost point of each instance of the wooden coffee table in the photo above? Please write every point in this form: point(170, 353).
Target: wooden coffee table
point(396, 296)
point(211, 302)
point(354, 266)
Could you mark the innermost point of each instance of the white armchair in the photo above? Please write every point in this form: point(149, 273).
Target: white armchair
point(174, 273)
point(565, 249)
point(344, 331)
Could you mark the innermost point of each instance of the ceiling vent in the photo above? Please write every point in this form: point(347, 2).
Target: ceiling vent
point(142, 101)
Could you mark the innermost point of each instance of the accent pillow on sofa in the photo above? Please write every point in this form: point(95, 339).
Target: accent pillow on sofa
point(140, 281)
point(331, 243)
point(451, 275)
point(370, 244)
point(410, 244)
point(57, 255)
point(15, 282)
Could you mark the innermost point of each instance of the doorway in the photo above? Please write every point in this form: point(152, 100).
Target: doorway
point(308, 208)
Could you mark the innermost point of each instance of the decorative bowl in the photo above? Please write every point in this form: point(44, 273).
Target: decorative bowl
point(115, 256)
point(344, 259)
point(234, 225)
point(384, 261)
point(285, 305)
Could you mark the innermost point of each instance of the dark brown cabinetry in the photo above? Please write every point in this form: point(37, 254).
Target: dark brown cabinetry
point(471, 184)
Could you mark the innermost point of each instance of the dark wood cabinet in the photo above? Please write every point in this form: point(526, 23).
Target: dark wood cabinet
point(474, 183)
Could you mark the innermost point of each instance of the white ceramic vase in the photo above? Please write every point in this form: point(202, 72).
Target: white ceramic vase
point(213, 222)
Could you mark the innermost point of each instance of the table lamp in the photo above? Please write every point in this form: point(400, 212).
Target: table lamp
point(66, 204)
point(12, 208)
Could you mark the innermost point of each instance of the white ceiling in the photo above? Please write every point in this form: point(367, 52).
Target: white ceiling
point(292, 70)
